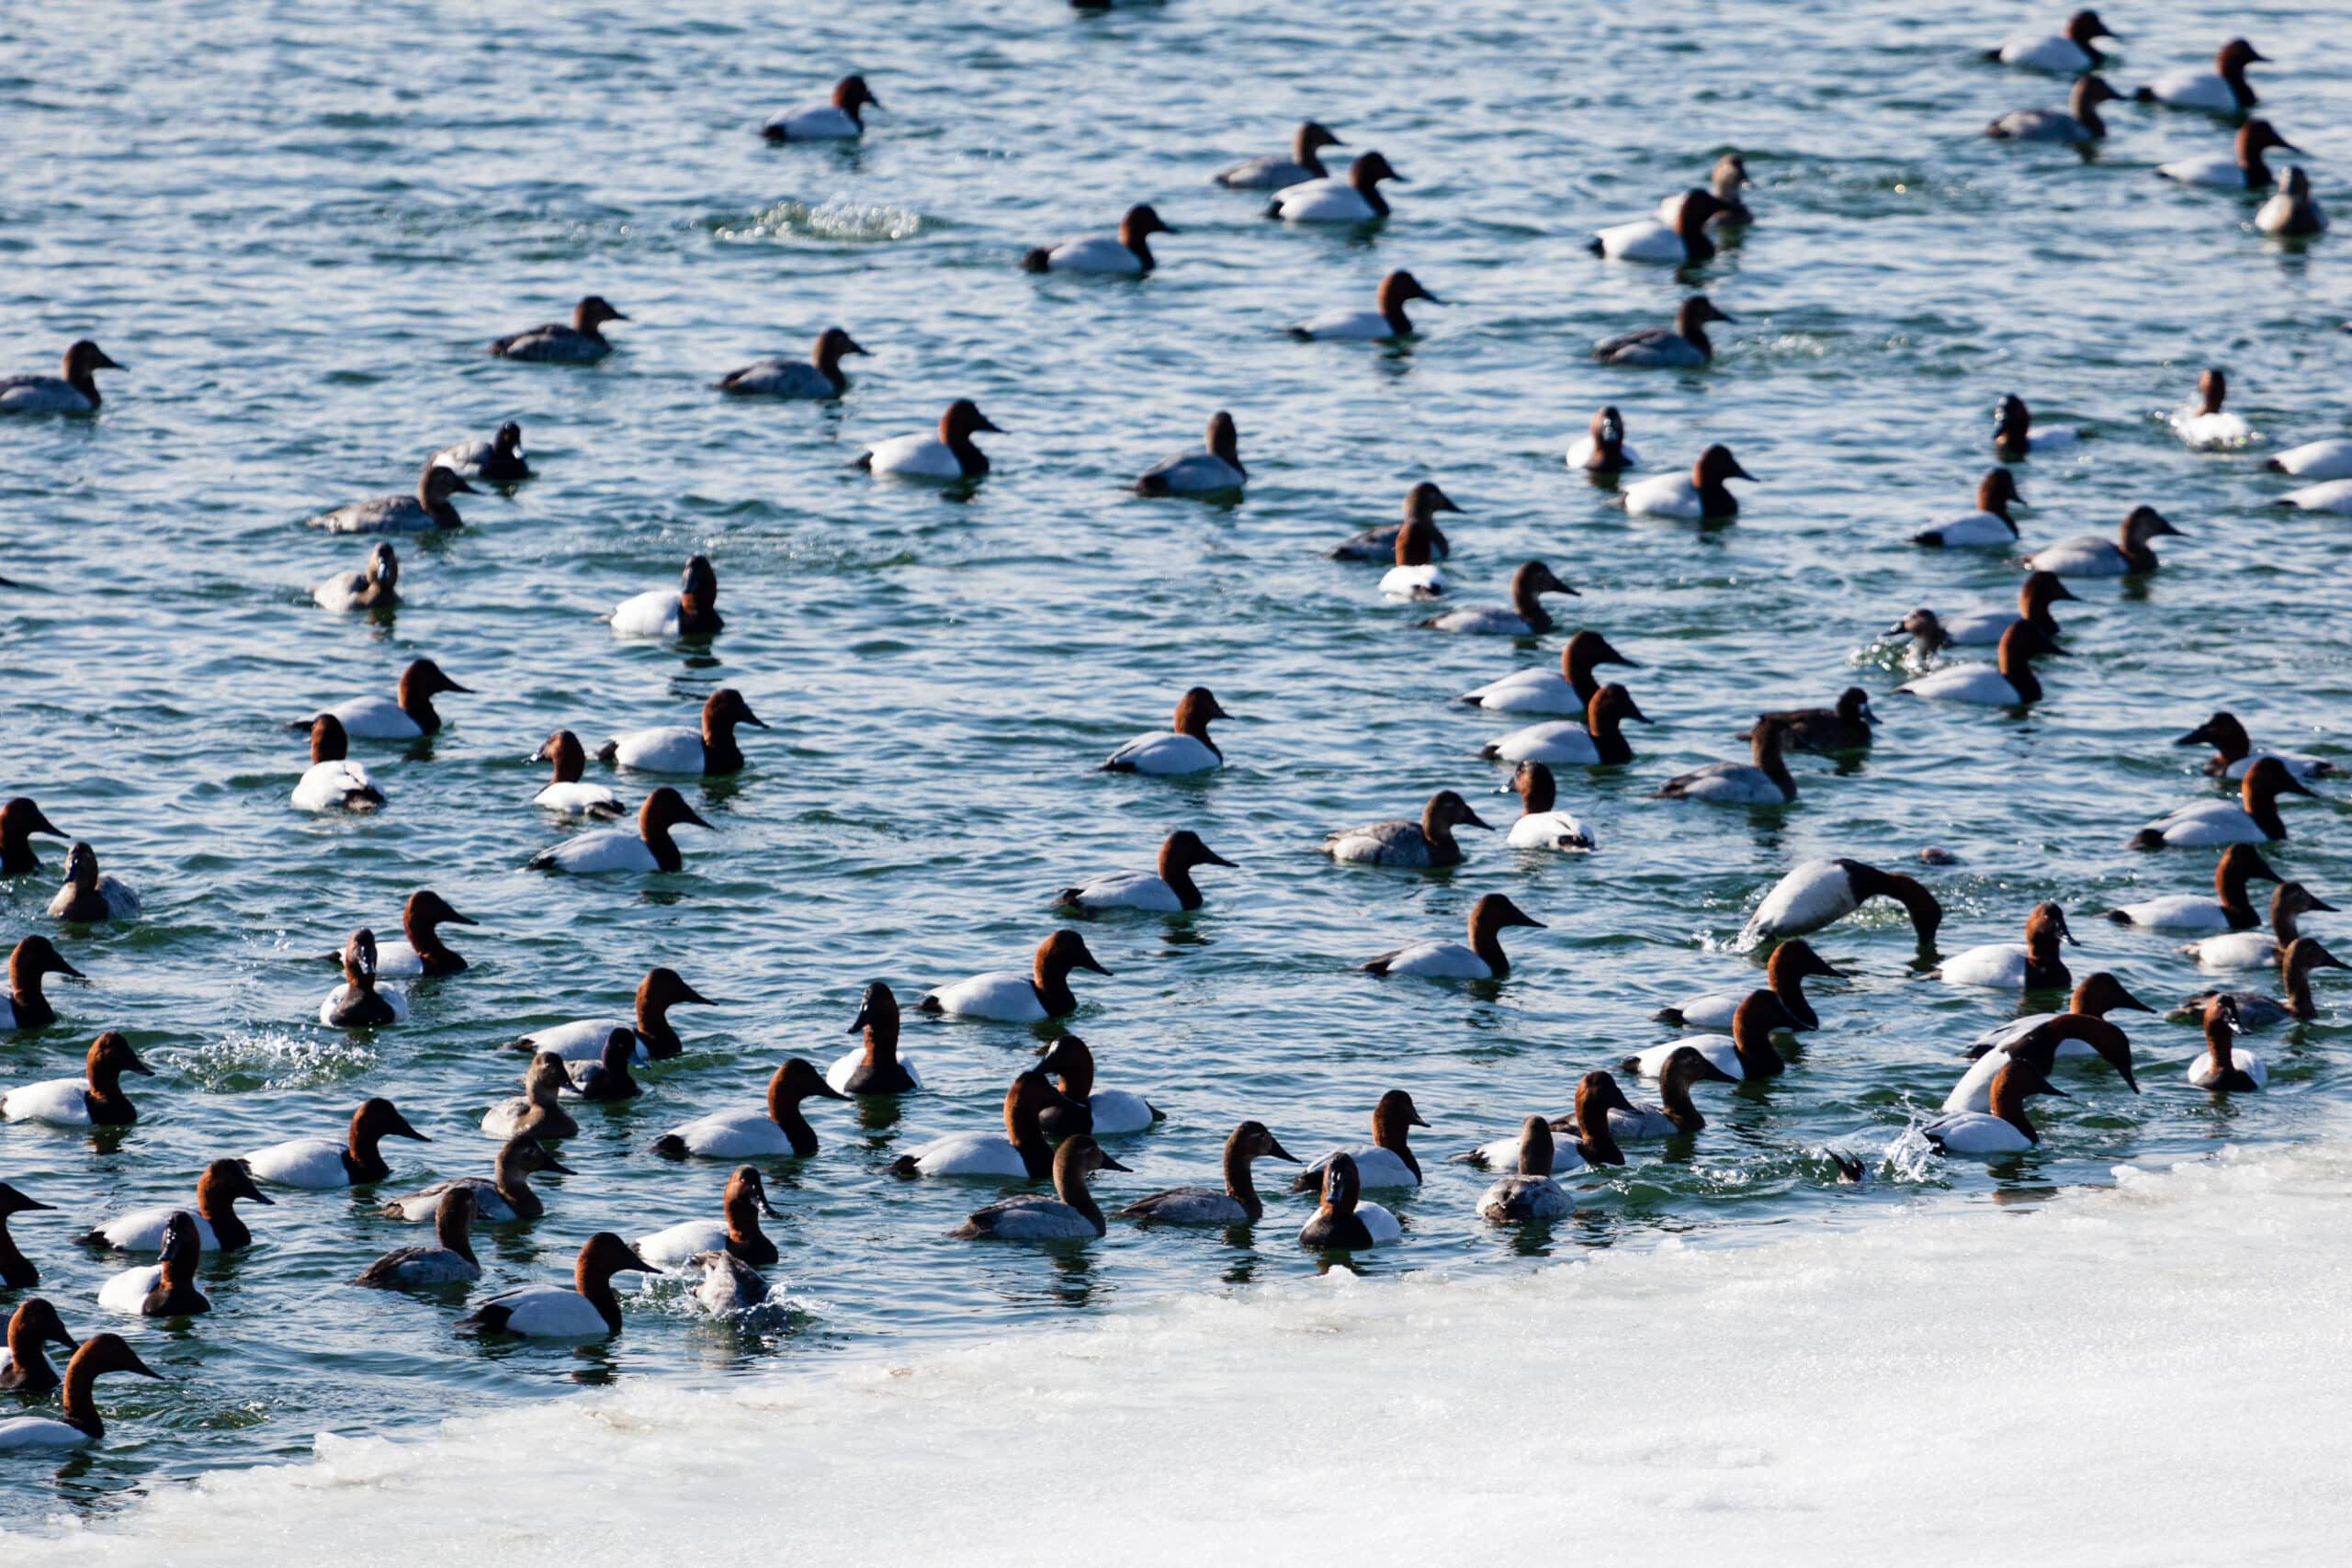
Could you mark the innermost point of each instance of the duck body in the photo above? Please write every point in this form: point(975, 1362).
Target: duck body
point(1192, 473)
point(421, 1267)
point(1143, 890)
point(2316, 460)
point(577, 799)
point(918, 456)
point(1665, 495)
point(1100, 256)
point(1550, 830)
point(1565, 741)
point(344, 1008)
point(843, 1076)
point(736, 1134)
point(315, 1164)
point(544, 1312)
point(2203, 1074)
point(1031, 1219)
point(1437, 959)
point(1720, 1051)
point(380, 514)
point(1525, 1198)
point(339, 785)
point(2235, 950)
point(2000, 965)
point(680, 1243)
point(1376, 1167)
point(2176, 913)
point(1001, 995)
point(1980, 683)
point(662, 749)
point(812, 122)
point(490, 1206)
point(57, 1103)
point(1643, 240)
point(1481, 620)
point(654, 612)
point(376, 718)
point(1970, 531)
point(2336, 495)
point(1367, 1226)
point(1975, 1133)
point(1166, 754)
point(1329, 200)
point(972, 1153)
point(598, 853)
point(1729, 783)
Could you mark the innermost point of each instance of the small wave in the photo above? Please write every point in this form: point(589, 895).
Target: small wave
point(250, 1060)
point(857, 223)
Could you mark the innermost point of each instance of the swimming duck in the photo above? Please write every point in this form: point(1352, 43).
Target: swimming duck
point(1422, 844)
point(2222, 90)
point(24, 1370)
point(875, 1068)
point(692, 611)
point(428, 508)
point(20, 819)
point(504, 1197)
point(1386, 320)
point(1071, 1214)
point(1237, 1204)
point(535, 1111)
point(819, 377)
point(25, 1006)
point(2257, 949)
point(1680, 241)
point(1973, 628)
point(1416, 574)
point(165, 1288)
point(88, 897)
point(948, 456)
point(375, 586)
point(405, 716)
point(2005, 1129)
point(1823, 892)
point(2034, 964)
point(219, 1226)
point(2336, 495)
point(1602, 449)
point(2290, 213)
point(2040, 1041)
point(2090, 556)
point(1388, 1160)
point(74, 391)
point(2253, 819)
point(728, 1284)
point(1216, 469)
point(94, 1100)
point(498, 461)
point(2228, 911)
point(1592, 1139)
point(2329, 459)
point(2234, 750)
point(1989, 526)
point(1725, 182)
point(2064, 53)
point(99, 1353)
point(776, 1131)
point(1169, 891)
point(448, 1262)
point(566, 794)
point(2230, 1068)
point(2242, 169)
point(1482, 959)
point(605, 850)
point(1106, 1113)
point(1010, 998)
point(1847, 726)
point(1764, 781)
point(334, 782)
point(1185, 747)
point(737, 1233)
point(1747, 1055)
point(1532, 1194)
point(1278, 173)
point(1345, 1222)
point(357, 1003)
point(1020, 1155)
point(1355, 199)
point(2209, 425)
point(320, 1163)
point(588, 1310)
point(609, 1076)
point(1681, 346)
point(2013, 434)
point(580, 342)
point(1541, 825)
point(708, 751)
point(17, 1272)
point(2077, 122)
point(1423, 503)
point(2010, 682)
point(657, 1038)
point(423, 954)
point(1784, 975)
point(1524, 616)
point(1675, 1115)
point(2254, 1011)
point(1536, 690)
point(1126, 253)
point(1699, 492)
point(838, 119)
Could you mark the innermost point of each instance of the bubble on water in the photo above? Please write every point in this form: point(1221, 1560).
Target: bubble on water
point(837, 219)
point(247, 1060)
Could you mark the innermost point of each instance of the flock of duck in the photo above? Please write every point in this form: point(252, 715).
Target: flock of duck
point(1058, 1126)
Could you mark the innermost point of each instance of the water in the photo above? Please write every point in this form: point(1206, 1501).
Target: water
point(299, 231)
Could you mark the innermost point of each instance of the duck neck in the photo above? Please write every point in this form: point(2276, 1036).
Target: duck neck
point(1439, 831)
point(2286, 925)
point(26, 1357)
point(1674, 1098)
point(881, 1048)
point(514, 1184)
point(1179, 877)
point(2017, 670)
point(1050, 979)
point(2264, 808)
point(969, 458)
point(1608, 733)
point(417, 703)
point(81, 1399)
point(1394, 1134)
point(784, 1109)
point(1595, 1142)
point(1369, 188)
point(2007, 1100)
point(1789, 986)
point(1139, 245)
point(1752, 1043)
point(361, 1158)
point(454, 1231)
point(1028, 1140)
point(661, 845)
point(597, 1287)
point(2228, 884)
point(1766, 750)
point(16, 1271)
point(1069, 1186)
point(720, 753)
point(218, 1208)
point(1486, 941)
point(1392, 310)
point(1240, 1184)
point(1541, 793)
point(745, 1239)
point(1691, 229)
point(1528, 605)
point(31, 1006)
point(2045, 969)
point(2299, 1006)
point(435, 956)
point(653, 1027)
point(109, 1104)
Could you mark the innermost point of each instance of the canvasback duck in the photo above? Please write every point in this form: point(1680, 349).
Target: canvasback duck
point(94, 1100)
point(1355, 199)
point(1601, 449)
point(89, 897)
point(579, 342)
point(947, 457)
point(26, 1006)
point(2254, 1011)
point(610, 1076)
point(1399, 842)
point(2336, 495)
point(736, 1233)
point(498, 461)
point(1599, 742)
point(607, 850)
point(707, 749)
point(1386, 320)
point(334, 782)
point(1823, 892)
point(818, 378)
point(20, 819)
point(1698, 492)
point(875, 1067)
point(1747, 1055)
point(1592, 1139)
point(2004, 1129)
point(1785, 972)
point(219, 1226)
point(17, 1272)
point(376, 586)
point(1071, 1214)
point(1168, 891)
point(2240, 169)
point(1105, 1112)
point(2010, 682)
point(2225, 1066)
point(566, 794)
point(2064, 53)
point(2228, 911)
point(2078, 122)
point(656, 1037)
point(358, 1003)
point(692, 611)
point(1278, 173)
point(1214, 470)
point(1237, 1204)
point(423, 954)
point(1010, 998)
point(1681, 346)
point(1388, 1160)
point(1990, 525)
point(2256, 949)
point(1126, 253)
point(1680, 241)
point(321, 1164)
point(1022, 1154)
point(166, 1288)
point(1344, 1223)
point(2328, 460)
point(80, 1425)
point(2207, 424)
point(1766, 781)
point(504, 1197)
point(75, 390)
point(1541, 824)
point(1847, 726)
point(1482, 958)
point(2034, 964)
point(1423, 503)
point(2013, 437)
point(2252, 818)
point(1725, 182)
point(1523, 617)
point(2222, 90)
point(1675, 1115)
point(777, 1129)
point(535, 1113)
point(448, 1262)
point(1417, 574)
point(1535, 689)
point(1185, 747)
point(24, 1370)
point(428, 508)
point(406, 715)
point(1531, 1194)
point(2234, 752)
point(2290, 213)
point(2040, 1041)
point(588, 1310)
point(839, 118)
point(1932, 633)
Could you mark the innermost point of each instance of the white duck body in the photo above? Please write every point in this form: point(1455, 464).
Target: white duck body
point(1099, 254)
point(596, 853)
point(1664, 495)
point(2219, 169)
point(2336, 495)
point(1717, 1048)
point(1536, 689)
point(1982, 683)
point(1427, 581)
point(583, 1039)
point(550, 1312)
point(1376, 1167)
point(1359, 325)
point(2316, 460)
point(1643, 240)
point(972, 1153)
point(1975, 1133)
point(2301, 766)
point(1524, 1198)
point(837, 1077)
point(2192, 88)
point(2210, 430)
point(812, 122)
point(332, 787)
point(919, 456)
point(1550, 830)
point(1973, 530)
point(2176, 913)
point(677, 1245)
point(1001, 995)
point(1563, 742)
point(653, 612)
point(579, 798)
point(58, 1102)
point(1996, 965)
point(39, 1431)
point(1166, 752)
point(1436, 959)
point(1115, 1111)
point(313, 1164)
point(1581, 449)
point(376, 718)
point(664, 748)
point(1128, 890)
point(1813, 894)
point(2203, 1075)
point(142, 1230)
point(2054, 52)
point(735, 1134)
point(2235, 950)
point(1329, 200)
point(2207, 823)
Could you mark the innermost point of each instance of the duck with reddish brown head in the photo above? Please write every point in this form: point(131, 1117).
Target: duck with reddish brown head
point(1214, 470)
point(20, 819)
point(2034, 964)
point(1009, 997)
point(839, 116)
point(1344, 1221)
point(1748, 1056)
point(1422, 844)
point(948, 457)
point(775, 1131)
point(1481, 958)
point(1822, 891)
point(705, 750)
point(2229, 909)
point(81, 1425)
point(1680, 241)
point(2005, 1129)
point(1423, 503)
point(334, 782)
point(650, 848)
point(1675, 1115)
point(588, 1310)
point(1353, 197)
point(1385, 321)
point(2251, 818)
point(2015, 438)
point(2252, 1010)
point(1541, 825)
point(2009, 683)
point(1684, 345)
point(1071, 1214)
point(566, 794)
point(2094, 995)
point(218, 1227)
point(25, 1371)
point(657, 1038)
point(166, 1288)
point(2205, 424)
point(580, 341)
point(1105, 1112)
point(17, 1272)
point(1990, 526)
point(74, 391)
point(2077, 1034)
point(689, 611)
point(358, 1002)
point(875, 1068)
point(1523, 617)
point(1278, 171)
point(1236, 1203)
point(1792, 964)
point(1126, 253)
point(818, 379)
point(1185, 747)
point(1169, 890)
point(26, 1005)
point(94, 1100)
point(1019, 1154)
point(2255, 948)
point(1602, 449)
point(2241, 168)
point(2222, 90)
point(2233, 751)
point(321, 1164)
point(1388, 1160)
point(2226, 1067)
point(2067, 53)
point(1535, 689)
point(1584, 1138)
point(737, 1231)
point(1700, 493)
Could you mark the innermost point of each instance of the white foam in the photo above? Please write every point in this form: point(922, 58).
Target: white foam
point(2152, 1372)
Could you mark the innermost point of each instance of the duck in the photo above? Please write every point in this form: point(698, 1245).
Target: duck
point(1020, 1155)
point(1973, 628)
point(1822, 891)
point(1675, 1115)
point(20, 818)
point(1168, 891)
point(1599, 740)
point(1541, 825)
point(1989, 526)
point(1421, 845)
point(2013, 434)
point(2290, 213)
point(776, 1131)
point(334, 782)
point(1523, 617)
point(2064, 53)
point(606, 850)
point(875, 1068)
point(1531, 1194)
point(2009, 683)
point(1747, 1055)
point(2254, 1011)
point(838, 119)
point(2005, 1129)
point(588, 1310)
point(1071, 1214)
point(1601, 449)
point(321, 1164)
point(1009, 997)
point(1417, 574)
point(2041, 1039)
point(1126, 253)
point(358, 1003)
point(1106, 1113)
point(2208, 424)
point(407, 715)
point(2228, 911)
point(1388, 1160)
point(1355, 200)
point(2328, 460)
point(1592, 1138)
point(1236, 1203)
point(2078, 122)
point(948, 455)
point(2234, 752)
point(2254, 820)
point(1344, 1223)
point(657, 1039)
point(1214, 470)
point(1764, 781)
point(1701, 493)
point(1482, 958)
point(608, 1078)
point(2226, 1066)
point(2222, 90)
point(428, 508)
point(728, 1284)
point(1536, 690)
point(2257, 949)
point(24, 1370)
point(1680, 241)
point(2241, 169)
point(219, 1226)
point(498, 461)
point(2034, 964)
point(2336, 495)
point(736, 1233)
point(166, 1288)
point(1684, 345)
point(1845, 726)
point(504, 1197)
point(706, 751)
point(820, 378)
point(99, 1353)
point(579, 342)
point(1725, 182)
point(423, 954)
point(94, 1100)
point(375, 586)
point(17, 1272)
point(1183, 748)
point(448, 1262)
point(1386, 321)
point(1423, 503)
point(88, 898)
point(1785, 972)
point(566, 794)
point(26, 1006)
point(2090, 556)
point(1279, 172)
point(691, 612)
point(74, 391)
point(535, 1111)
